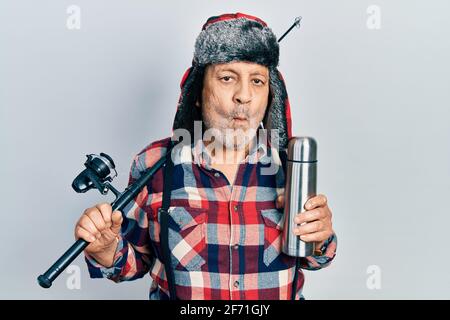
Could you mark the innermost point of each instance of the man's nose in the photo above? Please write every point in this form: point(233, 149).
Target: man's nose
point(243, 94)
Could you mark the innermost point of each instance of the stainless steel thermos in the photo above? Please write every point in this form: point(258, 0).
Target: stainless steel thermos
point(301, 185)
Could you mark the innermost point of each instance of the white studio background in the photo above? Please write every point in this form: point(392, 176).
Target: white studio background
point(367, 79)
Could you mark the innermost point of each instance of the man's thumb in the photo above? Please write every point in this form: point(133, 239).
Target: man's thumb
point(280, 202)
point(116, 219)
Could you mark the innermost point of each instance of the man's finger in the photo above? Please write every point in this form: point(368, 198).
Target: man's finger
point(315, 237)
point(106, 212)
point(87, 224)
point(311, 215)
point(317, 201)
point(116, 219)
point(84, 234)
point(311, 227)
point(97, 219)
point(280, 202)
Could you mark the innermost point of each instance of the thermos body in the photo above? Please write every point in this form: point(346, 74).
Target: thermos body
point(301, 185)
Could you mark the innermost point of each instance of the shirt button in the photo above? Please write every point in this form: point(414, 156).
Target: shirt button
point(216, 174)
point(236, 284)
point(235, 208)
point(235, 247)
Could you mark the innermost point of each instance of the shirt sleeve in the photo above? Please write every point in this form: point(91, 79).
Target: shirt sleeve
point(133, 257)
point(326, 256)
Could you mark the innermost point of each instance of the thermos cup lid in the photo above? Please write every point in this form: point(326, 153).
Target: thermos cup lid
point(302, 149)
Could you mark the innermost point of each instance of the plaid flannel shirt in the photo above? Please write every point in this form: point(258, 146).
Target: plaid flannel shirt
point(225, 239)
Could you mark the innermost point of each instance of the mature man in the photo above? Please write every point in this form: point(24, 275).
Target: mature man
point(208, 224)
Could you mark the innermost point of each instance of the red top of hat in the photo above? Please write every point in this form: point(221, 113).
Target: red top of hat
point(230, 16)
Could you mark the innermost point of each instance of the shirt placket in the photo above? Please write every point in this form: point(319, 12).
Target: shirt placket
point(236, 283)
point(235, 279)
point(234, 249)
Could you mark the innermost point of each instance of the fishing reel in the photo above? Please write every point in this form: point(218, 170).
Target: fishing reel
point(98, 175)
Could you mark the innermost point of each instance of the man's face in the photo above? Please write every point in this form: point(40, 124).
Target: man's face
point(235, 97)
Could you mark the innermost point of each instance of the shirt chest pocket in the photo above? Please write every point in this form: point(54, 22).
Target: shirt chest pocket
point(187, 237)
point(273, 227)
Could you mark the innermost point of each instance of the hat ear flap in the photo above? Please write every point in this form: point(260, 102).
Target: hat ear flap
point(276, 115)
point(191, 88)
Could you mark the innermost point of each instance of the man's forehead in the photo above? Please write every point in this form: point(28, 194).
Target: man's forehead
point(241, 67)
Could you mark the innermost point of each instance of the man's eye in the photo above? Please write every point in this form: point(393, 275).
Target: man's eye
point(226, 78)
point(258, 82)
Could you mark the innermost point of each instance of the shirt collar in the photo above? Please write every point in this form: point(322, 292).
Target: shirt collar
point(202, 156)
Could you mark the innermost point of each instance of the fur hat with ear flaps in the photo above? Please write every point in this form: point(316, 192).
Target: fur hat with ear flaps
point(235, 37)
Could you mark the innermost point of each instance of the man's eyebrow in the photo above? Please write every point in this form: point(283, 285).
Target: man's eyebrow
point(256, 72)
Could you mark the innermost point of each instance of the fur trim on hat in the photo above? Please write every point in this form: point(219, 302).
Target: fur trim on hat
point(236, 40)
